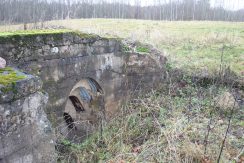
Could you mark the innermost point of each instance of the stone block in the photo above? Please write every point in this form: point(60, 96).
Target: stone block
point(2, 63)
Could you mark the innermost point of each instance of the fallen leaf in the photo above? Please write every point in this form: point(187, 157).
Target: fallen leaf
point(206, 160)
point(136, 150)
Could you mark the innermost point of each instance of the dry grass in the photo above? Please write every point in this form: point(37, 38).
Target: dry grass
point(163, 127)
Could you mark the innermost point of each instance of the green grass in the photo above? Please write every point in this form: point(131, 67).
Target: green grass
point(142, 49)
point(9, 76)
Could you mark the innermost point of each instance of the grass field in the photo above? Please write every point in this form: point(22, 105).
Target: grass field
point(195, 46)
point(178, 123)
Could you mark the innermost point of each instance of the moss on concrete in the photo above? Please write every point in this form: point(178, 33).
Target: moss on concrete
point(9, 76)
point(33, 32)
point(26, 37)
point(29, 36)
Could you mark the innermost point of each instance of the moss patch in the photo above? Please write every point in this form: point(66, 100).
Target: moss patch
point(142, 49)
point(9, 76)
point(33, 32)
point(29, 36)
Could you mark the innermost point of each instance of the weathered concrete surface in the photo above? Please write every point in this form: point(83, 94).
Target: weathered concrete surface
point(25, 132)
point(62, 60)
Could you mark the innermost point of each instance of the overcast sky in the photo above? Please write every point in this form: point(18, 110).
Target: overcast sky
point(228, 4)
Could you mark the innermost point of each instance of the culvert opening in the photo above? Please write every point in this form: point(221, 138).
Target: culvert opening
point(69, 120)
point(85, 106)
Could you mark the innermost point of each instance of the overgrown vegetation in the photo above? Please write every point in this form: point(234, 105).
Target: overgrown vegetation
point(182, 122)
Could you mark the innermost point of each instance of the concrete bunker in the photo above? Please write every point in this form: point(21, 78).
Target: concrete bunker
point(84, 75)
point(84, 107)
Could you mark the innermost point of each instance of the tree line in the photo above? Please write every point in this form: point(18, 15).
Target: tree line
point(29, 11)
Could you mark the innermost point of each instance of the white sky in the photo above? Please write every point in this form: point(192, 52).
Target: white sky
point(228, 4)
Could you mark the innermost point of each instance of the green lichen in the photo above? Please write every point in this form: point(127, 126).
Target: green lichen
point(9, 76)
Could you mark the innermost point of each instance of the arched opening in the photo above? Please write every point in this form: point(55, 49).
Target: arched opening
point(84, 108)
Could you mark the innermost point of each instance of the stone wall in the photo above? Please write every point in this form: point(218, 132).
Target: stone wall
point(119, 71)
point(25, 132)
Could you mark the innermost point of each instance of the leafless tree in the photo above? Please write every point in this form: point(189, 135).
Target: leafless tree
point(25, 11)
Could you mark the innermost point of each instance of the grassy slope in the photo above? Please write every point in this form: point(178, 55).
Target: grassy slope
point(162, 127)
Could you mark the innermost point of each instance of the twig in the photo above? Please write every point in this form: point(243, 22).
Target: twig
point(221, 62)
point(189, 107)
point(208, 131)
